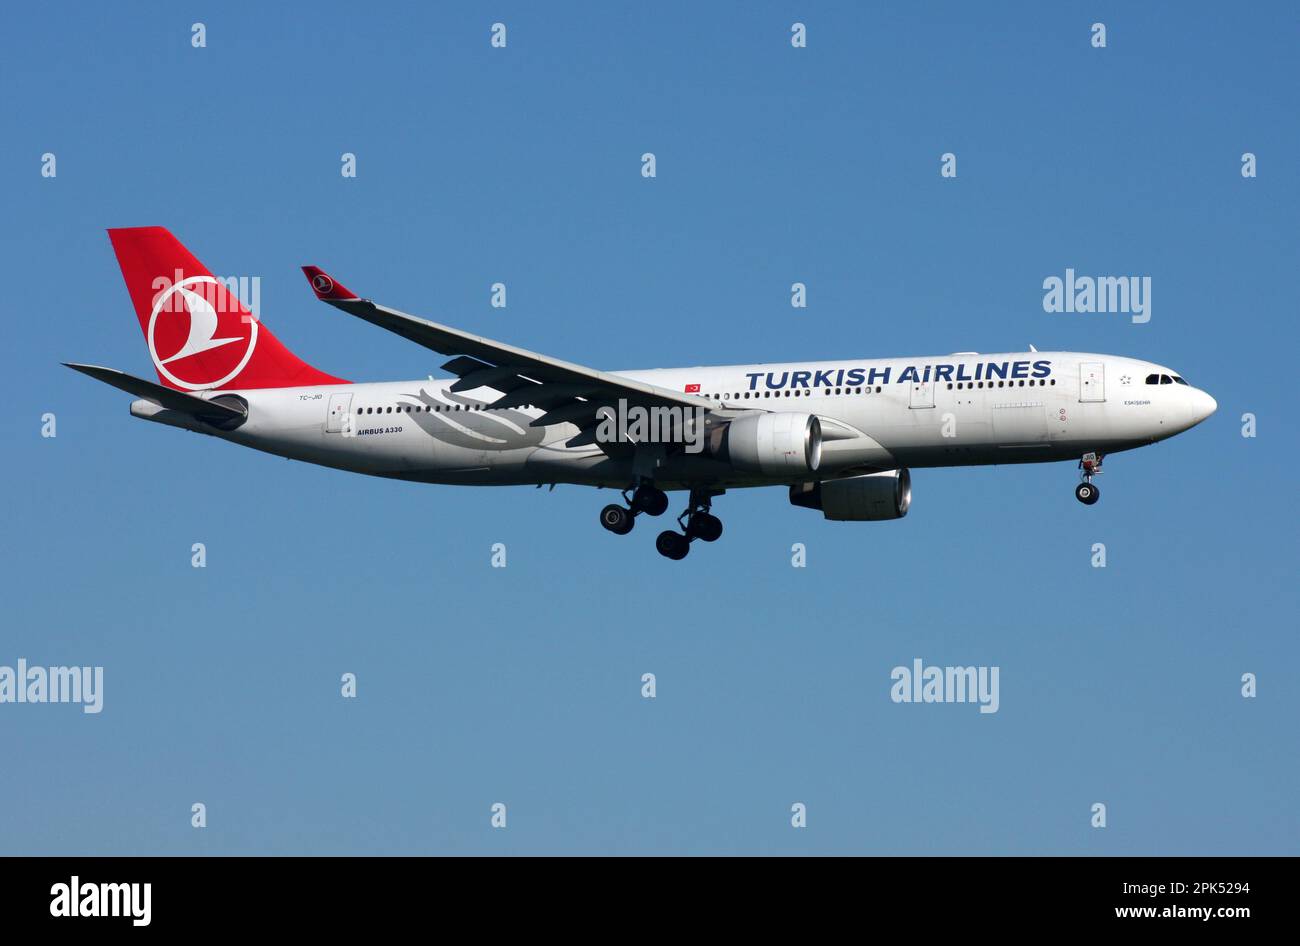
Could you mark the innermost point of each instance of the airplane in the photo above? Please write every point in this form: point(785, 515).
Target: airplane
point(841, 435)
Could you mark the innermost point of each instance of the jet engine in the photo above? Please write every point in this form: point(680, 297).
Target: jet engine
point(868, 498)
point(778, 444)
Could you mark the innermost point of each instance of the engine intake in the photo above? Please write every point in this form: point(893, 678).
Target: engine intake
point(777, 444)
point(869, 498)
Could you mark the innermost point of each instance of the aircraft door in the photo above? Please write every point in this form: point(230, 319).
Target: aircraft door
point(339, 416)
point(1092, 381)
point(922, 394)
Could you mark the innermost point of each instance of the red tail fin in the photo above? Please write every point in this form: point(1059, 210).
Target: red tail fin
point(199, 334)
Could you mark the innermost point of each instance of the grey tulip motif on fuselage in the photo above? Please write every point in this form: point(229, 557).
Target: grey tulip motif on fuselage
point(473, 429)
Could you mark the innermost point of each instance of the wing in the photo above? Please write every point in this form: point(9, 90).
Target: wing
point(567, 392)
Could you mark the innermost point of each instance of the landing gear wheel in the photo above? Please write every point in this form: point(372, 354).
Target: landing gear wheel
point(651, 501)
point(617, 519)
point(673, 545)
point(704, 526)
point(1087, 494)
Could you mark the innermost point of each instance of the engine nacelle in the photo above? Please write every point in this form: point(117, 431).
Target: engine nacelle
point(868, 498)
point(784, 443)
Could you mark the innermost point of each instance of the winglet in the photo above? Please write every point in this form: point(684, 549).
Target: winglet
point(327, 288)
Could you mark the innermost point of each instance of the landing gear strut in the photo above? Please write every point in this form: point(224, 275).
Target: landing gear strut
point(1086, 492)
point(644, 499)
point(696, 523)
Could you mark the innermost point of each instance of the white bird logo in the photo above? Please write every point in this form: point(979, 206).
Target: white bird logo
point(203, 326)
point(201, 336)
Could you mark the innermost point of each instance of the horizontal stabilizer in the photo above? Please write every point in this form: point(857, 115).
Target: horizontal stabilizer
point(211, 412)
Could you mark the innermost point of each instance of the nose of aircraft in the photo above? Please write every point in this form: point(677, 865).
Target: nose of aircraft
point(1202, 405)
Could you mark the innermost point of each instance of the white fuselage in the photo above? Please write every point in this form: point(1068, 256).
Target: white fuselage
point(946, 410)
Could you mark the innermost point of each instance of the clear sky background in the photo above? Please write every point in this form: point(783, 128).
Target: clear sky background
point(522, 685)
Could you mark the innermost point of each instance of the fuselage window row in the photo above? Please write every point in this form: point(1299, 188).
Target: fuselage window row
point(426, 408)
point(966, 385)
point(738, 395)
point(798, 392)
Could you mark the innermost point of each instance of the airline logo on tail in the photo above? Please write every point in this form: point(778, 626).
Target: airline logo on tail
point(188, 327)
point(200, 335)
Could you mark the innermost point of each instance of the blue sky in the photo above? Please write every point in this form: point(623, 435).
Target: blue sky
point(522, 685)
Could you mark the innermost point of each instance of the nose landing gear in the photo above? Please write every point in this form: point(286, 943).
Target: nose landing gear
point(1086, 492)
point(644, 499)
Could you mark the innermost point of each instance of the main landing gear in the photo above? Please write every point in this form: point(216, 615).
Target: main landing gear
point(644, 499)
point(1085, 492)
point(696, 523)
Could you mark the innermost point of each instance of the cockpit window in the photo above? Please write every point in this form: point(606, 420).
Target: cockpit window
point(1178, 380)
point(1153, 379)
point(1165, 379)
